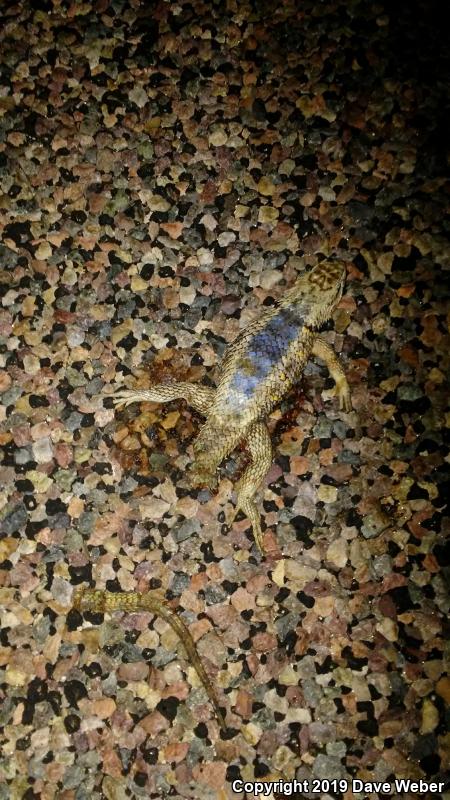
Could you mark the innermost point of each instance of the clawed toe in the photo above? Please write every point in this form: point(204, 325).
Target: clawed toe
point(124, 397)
point(345, 403)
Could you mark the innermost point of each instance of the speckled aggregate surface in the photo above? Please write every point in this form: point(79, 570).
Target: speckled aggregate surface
point(167, 169)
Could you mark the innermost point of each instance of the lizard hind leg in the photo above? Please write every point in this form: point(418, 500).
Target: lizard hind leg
point(215, 442)
point(198, 397)
point(260, 446)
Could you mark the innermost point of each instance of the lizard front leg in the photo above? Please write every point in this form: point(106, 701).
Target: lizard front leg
point(321, 349)
point(260, 446)
point(199, 397)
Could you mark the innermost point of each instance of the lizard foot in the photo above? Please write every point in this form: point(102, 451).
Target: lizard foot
point(248, 507)
point(345, 401)
point(124, 397)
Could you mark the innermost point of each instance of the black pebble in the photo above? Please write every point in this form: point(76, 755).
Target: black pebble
point(74, 691)
point(72, 723)
point(168, 707)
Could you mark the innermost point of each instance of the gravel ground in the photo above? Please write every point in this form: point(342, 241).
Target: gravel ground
point(166, 170)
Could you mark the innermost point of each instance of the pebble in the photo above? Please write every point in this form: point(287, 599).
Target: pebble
point(337, 553)
point(42, 450)
point(326, 493)
point(389, 629)
point(268, 214)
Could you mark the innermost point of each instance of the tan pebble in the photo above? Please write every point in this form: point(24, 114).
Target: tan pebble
point(287, 166)
point(300, 465)
point(171, 298)
point(153, 508)
point(170, 420)
point(423, 687)
point(225, 186)
point(268, 214)
point(307, 199)
point(174, 752)
point(263, 642)
point(15, 677)
point(443, 689)
point(75, 507)
point(279, 573)
point(134, 671)
point(31, 364)
point(152, 124)
point(324, 606)
point(217, 137)
point(327, 193)
point(187, 295)
point(209, 222)
point(380, 324)
point(42, 451)
point(436, 376)
point(138, 284)
point(264, 600)
point(103, 708)
point(388, 628)
point(8, 545)
point(283, 755)
point(82, 454)
point(130, 443)
point(63, 454)
point(265, 186)
point(174, 229)
point(40, 481)
point(44, 251)
point(251, 733)
point(5, 381)
point(326, 493)
point(390, 728)
point(120, 435)
point(187, 506)
point(243, 703)
point(337, 553)
point(288, 676)
point(430, 717)
point(157, 203)
point(269, 278)
point(111, 787)
point(28, 306)
point(302, 715)
point(69, 276)
point(241, 600)
point(402, 249)
point(40, 430)
point(299, 572)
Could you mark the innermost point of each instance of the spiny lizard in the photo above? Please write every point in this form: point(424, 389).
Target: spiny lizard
point(257, 371)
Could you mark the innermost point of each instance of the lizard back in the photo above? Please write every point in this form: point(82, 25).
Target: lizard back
point(263, 362)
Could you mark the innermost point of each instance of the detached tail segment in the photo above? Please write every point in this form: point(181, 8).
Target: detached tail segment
point(107, 602)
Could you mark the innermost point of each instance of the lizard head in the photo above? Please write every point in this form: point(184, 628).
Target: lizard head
point(318, 292)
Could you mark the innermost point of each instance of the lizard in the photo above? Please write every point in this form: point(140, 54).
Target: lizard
point(258, 369)
point(100, 601)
